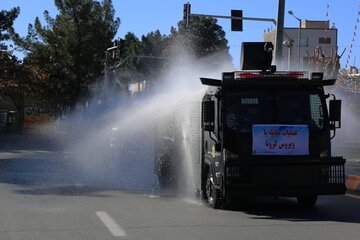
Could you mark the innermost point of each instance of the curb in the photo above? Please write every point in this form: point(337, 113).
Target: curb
point(353, 183)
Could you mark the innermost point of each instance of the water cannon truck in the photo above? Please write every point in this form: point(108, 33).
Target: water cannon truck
point(261, 132)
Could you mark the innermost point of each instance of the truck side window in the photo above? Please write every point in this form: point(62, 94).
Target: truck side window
point(317, 114)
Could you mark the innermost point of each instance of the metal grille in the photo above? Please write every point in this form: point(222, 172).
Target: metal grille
point(336, 174)
point(333, 174)
point(239, 175)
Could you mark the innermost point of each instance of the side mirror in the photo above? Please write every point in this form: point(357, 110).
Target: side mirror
point(335, 113)
point(208, 114)
point(217, 147)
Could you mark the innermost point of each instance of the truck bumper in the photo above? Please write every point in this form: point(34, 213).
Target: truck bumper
point(285, 178)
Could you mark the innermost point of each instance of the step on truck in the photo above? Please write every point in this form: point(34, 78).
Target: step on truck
point(262, 132)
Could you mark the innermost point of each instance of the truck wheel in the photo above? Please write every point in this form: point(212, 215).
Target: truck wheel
point(211, 193)
point(307, 201)
point(164, 183)
point(162, 170)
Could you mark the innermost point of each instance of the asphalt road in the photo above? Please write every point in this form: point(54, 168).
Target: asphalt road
point(44, 195)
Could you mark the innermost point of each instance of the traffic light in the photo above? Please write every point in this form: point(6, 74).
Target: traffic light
point(236, 24)
point(187, 10)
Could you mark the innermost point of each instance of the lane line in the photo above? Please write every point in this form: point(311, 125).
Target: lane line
point(115, 229)
point(352, 195)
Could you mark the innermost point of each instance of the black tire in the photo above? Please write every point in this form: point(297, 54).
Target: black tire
point(307, 201)
point(212, 195)
point(166, 181)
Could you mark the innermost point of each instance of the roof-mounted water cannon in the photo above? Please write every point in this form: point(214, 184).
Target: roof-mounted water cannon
point(257, 56)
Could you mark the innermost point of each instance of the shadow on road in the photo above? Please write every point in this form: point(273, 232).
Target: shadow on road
point(51, 176)
point(41, 165)
point(71, 190)
point(328, 208)
point(46, 177)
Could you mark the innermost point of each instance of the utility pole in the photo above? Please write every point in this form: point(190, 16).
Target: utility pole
point(279, 33)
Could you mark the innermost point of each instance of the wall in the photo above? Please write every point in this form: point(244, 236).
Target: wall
point(309, 41)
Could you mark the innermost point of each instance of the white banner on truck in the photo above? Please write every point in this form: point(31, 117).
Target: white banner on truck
point(278, 139)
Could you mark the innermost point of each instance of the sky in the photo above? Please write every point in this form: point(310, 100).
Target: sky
point(143, 16)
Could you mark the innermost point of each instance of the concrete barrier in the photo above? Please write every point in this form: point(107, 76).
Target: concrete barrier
point(353, 183)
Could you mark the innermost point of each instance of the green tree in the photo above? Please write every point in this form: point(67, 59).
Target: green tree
point(141, 59)
point(122, 64)
point(148, 58)
point(12, 74)
point(154, 44)
point(71, 47)
point(131, 50)
point(203, 38)
point(7, 22)
point(154, 50)
point(15, 81)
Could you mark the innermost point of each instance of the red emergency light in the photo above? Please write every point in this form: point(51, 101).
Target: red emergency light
point(259, 74)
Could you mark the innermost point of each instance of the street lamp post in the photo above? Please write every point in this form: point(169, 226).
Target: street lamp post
point(289, 44)
point(299, 35)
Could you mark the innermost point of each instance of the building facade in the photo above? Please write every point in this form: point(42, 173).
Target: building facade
point(317, 40)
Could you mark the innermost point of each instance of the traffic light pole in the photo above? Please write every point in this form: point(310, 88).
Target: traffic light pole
point(279, 23)
point(279, 33)
point(113, 48)
point(236, 18)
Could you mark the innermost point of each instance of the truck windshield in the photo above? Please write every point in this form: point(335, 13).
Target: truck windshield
point(242, 110)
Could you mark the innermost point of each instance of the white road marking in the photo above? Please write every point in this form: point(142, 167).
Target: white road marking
point(115, 229)
point(352, 195)
point(151, 196)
